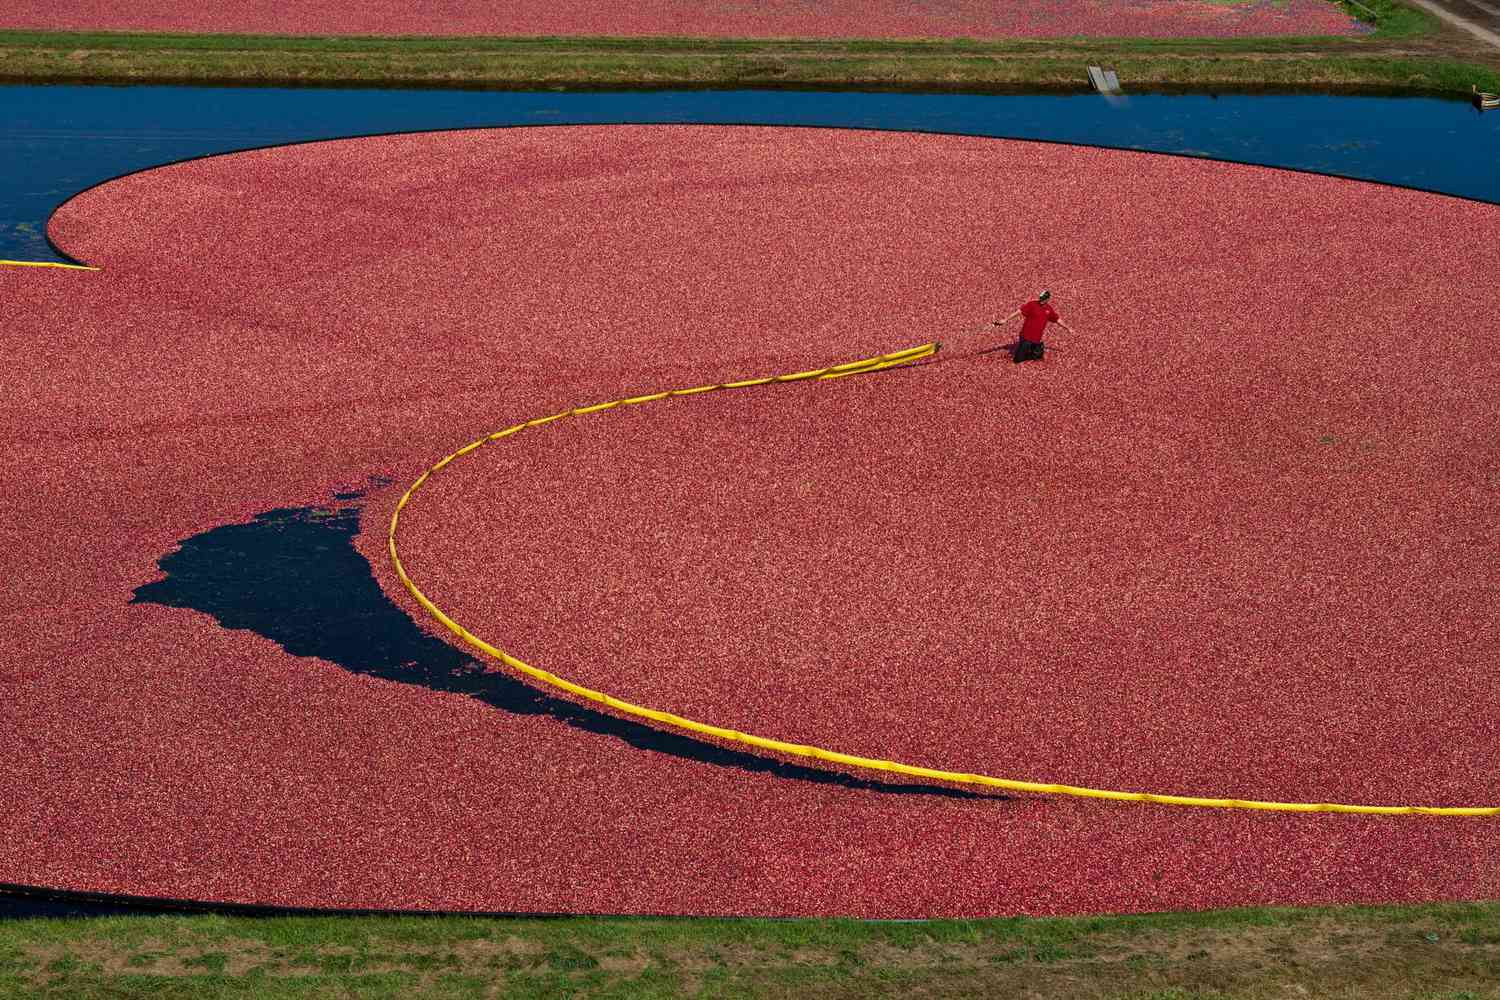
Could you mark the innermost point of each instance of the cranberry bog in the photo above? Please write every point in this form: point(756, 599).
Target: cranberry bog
point(1233, 538)
point(980, 19)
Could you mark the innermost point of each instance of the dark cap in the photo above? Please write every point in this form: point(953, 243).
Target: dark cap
point(1044, 297)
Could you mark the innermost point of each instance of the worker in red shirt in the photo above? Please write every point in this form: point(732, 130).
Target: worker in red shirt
point(1037, 314)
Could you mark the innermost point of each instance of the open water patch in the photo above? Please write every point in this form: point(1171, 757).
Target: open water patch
point(293, 575)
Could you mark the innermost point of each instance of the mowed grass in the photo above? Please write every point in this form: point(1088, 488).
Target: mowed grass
point(1434, 952)
point(1409, 52)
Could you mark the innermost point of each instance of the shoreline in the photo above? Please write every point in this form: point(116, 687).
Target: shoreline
point(876, 87)
point(1374, 77)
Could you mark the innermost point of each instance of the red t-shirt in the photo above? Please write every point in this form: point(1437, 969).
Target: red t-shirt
point(1037, 315)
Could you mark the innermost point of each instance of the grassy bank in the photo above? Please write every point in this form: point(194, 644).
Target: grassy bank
point(1437, 952)
point(1410, 52)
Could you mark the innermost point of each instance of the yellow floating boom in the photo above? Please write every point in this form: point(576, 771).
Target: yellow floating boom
point(671, 721)
point(45, 263)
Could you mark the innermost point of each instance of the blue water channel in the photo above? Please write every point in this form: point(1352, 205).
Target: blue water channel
point(57, 140)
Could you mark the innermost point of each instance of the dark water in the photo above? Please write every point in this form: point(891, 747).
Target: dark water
point(58, 140)
point(24, 904)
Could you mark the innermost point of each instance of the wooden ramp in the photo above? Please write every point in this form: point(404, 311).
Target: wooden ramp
point(1104, 80)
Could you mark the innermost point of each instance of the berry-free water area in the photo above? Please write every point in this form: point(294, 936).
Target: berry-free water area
point(59, 140)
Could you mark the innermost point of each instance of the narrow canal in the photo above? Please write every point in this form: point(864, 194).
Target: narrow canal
point(59, 140)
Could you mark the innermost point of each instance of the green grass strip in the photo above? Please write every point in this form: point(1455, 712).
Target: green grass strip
point(1334, 72)
point(1448, 951)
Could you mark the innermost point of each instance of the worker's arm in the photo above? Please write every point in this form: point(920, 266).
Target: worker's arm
point(1002, 322)
point(1065, 326)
